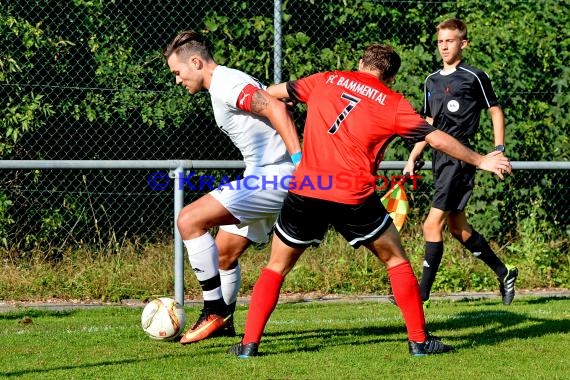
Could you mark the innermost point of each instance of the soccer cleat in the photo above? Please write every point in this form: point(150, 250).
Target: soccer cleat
point(208, 323)
point(507, 285)
point(244, 351)
point(432, 346)
point(228, 329)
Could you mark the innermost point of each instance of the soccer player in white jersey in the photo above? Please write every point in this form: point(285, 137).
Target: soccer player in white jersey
point(264, 132)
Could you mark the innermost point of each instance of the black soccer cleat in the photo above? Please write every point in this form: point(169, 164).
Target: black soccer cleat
point(432, 346)
point(507, 285)
point(244, 351)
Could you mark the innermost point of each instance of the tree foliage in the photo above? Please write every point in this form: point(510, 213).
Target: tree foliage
point(96, 66)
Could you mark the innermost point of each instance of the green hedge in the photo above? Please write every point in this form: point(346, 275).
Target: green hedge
point(94, 45)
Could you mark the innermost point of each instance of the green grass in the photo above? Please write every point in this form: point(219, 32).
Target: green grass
point(314, 340)
point(141, 271)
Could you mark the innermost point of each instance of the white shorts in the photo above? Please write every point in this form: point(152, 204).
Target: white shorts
point(255, 199)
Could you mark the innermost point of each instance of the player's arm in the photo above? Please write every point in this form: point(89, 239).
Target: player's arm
point(416, 153)
point(278, 90)
point(262, 104)
point(414, 156)
point(494, 162)
point(488, 95)
point(419, 146)
point(299, 90)
point(498, 120)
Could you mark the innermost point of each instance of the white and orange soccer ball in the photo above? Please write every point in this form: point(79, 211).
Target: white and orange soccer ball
point(163, 319)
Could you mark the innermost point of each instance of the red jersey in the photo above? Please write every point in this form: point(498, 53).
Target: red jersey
point(351, 118)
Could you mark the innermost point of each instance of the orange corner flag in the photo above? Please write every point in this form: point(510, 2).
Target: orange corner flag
point(396, 203)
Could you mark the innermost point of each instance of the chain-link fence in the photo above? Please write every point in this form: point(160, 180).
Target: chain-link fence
point(85, 80)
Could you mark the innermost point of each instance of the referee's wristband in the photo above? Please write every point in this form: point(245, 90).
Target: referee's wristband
point(296, 158)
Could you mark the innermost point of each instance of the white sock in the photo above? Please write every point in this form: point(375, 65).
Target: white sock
point(231, 282)
point(203, 256)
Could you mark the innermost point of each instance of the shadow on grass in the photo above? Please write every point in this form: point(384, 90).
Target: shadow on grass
point(314, 340)
point(543, 300)
point(501, 325)
point(35, 313)
point(497, 325)
point(44, 371)
point(205, 348)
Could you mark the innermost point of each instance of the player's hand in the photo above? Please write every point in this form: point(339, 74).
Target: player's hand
point(412, 167)
point(408, 169)
point(496, 162)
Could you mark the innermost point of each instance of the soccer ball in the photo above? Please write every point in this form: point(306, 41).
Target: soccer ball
point(163, 319)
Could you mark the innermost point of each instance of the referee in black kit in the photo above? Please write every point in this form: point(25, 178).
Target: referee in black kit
point(453, 99)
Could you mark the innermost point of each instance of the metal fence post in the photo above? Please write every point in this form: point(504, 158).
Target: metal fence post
point(277, 38)
point(178, 243)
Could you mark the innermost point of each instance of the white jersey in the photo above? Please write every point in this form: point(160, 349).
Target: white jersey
point(253, 135)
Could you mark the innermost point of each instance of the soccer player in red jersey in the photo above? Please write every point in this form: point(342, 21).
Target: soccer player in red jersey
point(351, 119)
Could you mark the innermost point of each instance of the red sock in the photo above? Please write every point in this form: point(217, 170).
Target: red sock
point(263, 301)
point(407, 295)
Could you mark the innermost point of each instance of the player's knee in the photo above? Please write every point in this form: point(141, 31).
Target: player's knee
point(185, 222)
point(229, 259)
point(390, 252)
point(393, 257)
point(431, 228)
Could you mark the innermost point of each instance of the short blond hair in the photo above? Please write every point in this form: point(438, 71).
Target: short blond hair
point(454, 24)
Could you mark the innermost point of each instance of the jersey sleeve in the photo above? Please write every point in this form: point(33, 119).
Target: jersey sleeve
point(426, 110)
point(409, 124)
point(237, 91)
point(245, 97)
point(299, 90)
point(488, 96)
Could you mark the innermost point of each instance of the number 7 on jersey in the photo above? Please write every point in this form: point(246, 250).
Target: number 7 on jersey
point(352, 102)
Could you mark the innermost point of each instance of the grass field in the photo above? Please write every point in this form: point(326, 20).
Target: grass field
point(314, 340)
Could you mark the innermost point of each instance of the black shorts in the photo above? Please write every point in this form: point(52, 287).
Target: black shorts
point(454, 181)
point(303, 221)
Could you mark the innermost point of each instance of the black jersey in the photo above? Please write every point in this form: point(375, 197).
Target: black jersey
point(455, 100)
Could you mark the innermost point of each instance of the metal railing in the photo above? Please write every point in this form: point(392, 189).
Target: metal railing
point(177, 168)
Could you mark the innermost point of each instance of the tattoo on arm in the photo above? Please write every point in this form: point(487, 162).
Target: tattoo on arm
point(259, 102)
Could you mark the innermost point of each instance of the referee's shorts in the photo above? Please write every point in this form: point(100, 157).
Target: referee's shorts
point(454, 181)
point(303, 221)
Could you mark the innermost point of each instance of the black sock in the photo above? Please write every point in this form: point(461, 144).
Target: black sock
point(216, 306)
point(480, 248)
point(231, 308)
point(432, 259)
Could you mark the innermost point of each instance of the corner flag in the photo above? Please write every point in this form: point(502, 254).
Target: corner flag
point(396, 203)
